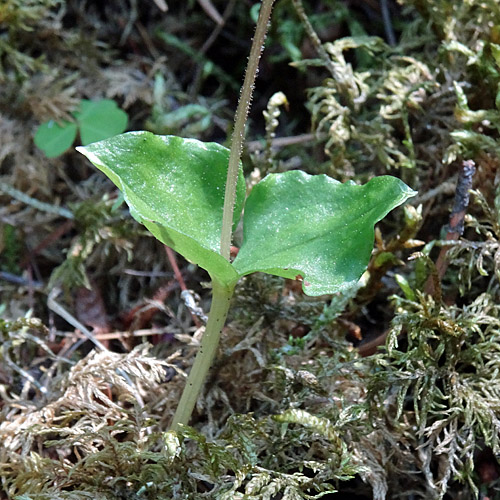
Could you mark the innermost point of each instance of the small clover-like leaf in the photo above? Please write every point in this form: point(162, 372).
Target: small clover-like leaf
point(175, 187)
point(55, 138)
point(313, 226)
point(99, 120)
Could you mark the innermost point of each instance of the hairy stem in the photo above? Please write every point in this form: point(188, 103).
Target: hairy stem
point(221, 298)
point(239, 125)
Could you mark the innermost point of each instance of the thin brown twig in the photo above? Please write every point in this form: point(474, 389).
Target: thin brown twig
point(371, 347)
point(216, 32)
point(143, 313)
point(456, 225)
point(144, 332)
point(48, 240)
point(147, 40)
point(180, 279)
point(175, 268)
point(211, 11)
point(281, 142)
point(195, 86)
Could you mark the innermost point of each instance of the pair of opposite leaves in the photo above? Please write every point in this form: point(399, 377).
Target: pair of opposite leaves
point(293, 223)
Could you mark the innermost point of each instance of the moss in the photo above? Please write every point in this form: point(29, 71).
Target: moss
point(291, 409)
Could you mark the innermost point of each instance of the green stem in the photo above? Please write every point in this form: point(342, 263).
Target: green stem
point(239, 125)
point(221, 298)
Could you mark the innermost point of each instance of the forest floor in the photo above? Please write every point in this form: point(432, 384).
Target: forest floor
point(390, 390)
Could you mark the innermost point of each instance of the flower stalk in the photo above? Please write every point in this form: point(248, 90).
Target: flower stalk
point(221, 295)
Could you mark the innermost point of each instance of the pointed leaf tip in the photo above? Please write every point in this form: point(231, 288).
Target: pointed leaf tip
point(315, 227)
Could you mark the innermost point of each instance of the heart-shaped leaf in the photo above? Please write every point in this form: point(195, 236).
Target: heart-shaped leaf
point(55, 138)
point(99, 120)
point(313, 226)
point(175, 187)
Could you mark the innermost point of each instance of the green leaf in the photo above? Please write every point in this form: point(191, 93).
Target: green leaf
point(495, 51)
point(405, 286)
point(53, 138)
point(100, 120)
point(314, 226)
point(175, 187)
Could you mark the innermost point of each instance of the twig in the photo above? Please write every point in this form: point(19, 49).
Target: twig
point(61, 311)
point(49, 239)
point(39, 205)
point(143, 313)
point(180, 280)
point(175, 267)
point(161, 4)
point(195, 86)
point(456, 226)
point(197, 57)
point(147, 40)
point(130, 21)
point(145, 332)
point(281, 142)
point(299, 8)
point(20, 280)
point(443, 188)
point(211, 11)
point(386, 18)
point(216, 32)
point(370, 347)
point(24, 374)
